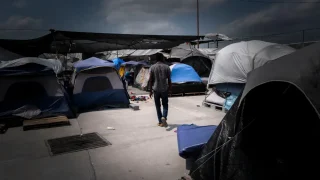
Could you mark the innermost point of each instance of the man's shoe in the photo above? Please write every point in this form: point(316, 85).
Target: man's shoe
point(160, 124)
point(164, 122)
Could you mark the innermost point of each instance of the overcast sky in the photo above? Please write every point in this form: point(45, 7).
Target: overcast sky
point(234, 18)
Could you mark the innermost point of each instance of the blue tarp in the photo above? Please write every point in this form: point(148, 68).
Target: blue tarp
point(234, 88)
point(192, 138)
point(117, 62)
point(91, 63)
point(182, 73)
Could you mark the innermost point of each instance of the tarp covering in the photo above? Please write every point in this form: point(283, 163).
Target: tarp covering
point(182, 73)
point(130, 53)
point(134, 63)
point(211, 52)
point(217, 37)
point(193, 57)
point(51, 64)
point(191, 139)
point(92, 63)
point(283, 93)
point(185, 50)
point(234, 62)
point(85, 42)
point(98, 87)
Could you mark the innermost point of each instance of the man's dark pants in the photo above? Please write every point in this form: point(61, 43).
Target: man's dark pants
point(164, 97)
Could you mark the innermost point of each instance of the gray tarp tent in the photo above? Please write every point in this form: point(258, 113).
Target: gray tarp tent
point(189, 55)
point(272, 131)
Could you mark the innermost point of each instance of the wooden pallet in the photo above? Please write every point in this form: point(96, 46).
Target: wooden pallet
point(45, 123)
point(214, 106)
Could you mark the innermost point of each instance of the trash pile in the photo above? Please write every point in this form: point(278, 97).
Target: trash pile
point(139, 98)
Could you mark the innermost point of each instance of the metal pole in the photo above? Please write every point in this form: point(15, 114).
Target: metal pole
point(198, 21)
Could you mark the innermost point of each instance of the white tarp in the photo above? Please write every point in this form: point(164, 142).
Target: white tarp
point(185, 50)
point(234, 62)
point(6, 55)
point(110, 55)
point(217, 36)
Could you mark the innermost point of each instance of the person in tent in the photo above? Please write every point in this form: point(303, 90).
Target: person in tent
point(160, 86)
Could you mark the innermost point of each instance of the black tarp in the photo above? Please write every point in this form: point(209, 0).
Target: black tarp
point(272, 131)
point(90, 43)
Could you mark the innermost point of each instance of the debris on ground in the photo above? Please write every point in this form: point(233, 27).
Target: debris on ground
point(135, 107)
point(139, 98)
point(111, 128)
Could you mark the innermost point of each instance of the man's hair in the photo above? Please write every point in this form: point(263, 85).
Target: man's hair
point(159, 57)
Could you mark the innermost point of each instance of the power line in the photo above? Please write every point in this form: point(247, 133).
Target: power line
point(281, 2)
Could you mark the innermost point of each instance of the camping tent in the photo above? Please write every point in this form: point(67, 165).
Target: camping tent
point(193, 57)
point(272, 130)
point(234, 62)
point(29, 89)
point(97, 84)
point(185, 79)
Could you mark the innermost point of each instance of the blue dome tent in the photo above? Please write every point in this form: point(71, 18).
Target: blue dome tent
point(30, 90)
point(185, 79)
point(97, 85)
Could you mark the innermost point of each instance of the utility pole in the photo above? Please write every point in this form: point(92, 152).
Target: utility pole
point(198, 22)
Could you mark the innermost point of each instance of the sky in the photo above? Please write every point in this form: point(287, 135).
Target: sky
point(234, 18)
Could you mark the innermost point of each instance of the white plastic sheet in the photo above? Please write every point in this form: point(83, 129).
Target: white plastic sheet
point(234, 62)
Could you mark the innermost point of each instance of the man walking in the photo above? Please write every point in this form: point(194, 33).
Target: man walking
point(160, 85)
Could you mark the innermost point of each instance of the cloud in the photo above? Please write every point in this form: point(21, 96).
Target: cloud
point(149, 16)
point(19, 3)
point(21, 22)
point(273, 19)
